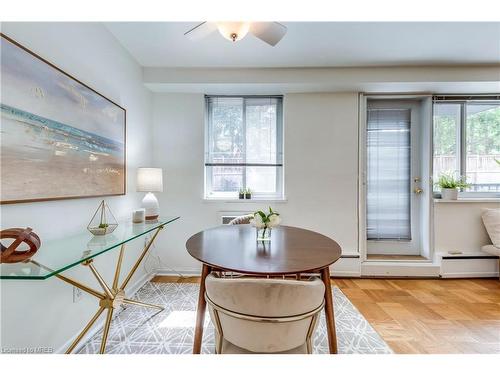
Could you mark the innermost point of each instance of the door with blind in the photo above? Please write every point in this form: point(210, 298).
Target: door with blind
point(393, 192)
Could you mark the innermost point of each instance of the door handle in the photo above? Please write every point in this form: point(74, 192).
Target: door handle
point(418, 191)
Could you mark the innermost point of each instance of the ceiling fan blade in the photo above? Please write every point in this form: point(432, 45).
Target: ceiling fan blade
point(201, 31)
point(269, 32)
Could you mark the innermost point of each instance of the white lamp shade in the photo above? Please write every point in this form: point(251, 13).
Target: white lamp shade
point(150, 179)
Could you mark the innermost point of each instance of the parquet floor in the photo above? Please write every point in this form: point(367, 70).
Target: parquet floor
point(425, 316)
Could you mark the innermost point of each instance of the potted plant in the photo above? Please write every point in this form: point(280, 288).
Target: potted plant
point(241, 193)
point(248, 193)
point(264, 223)
point(449, 185)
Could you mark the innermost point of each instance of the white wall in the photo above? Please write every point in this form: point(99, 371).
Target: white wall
point(459, 227)
point(320, 169)
point(41, 313)
point(321, 174)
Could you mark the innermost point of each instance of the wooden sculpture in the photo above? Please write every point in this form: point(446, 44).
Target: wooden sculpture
point(11, 253)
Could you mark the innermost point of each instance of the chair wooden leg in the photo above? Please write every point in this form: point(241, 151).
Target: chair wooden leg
point(329, 315)
point(200, 312)
point(219, 335)
point(309, 345)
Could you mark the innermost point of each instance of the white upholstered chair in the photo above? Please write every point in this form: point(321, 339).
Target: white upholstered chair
point(258, 315)
point(245, 219)
point(239, 220)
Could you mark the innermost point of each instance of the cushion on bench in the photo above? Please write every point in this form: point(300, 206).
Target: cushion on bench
point(491, 220)
point(490, 249)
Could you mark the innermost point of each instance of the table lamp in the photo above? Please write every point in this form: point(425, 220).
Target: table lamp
point(150, 180)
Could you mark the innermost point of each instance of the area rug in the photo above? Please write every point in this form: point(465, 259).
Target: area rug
point(138, 330)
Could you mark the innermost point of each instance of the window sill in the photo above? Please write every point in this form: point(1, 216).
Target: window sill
point(468, 200)
point(253, 200)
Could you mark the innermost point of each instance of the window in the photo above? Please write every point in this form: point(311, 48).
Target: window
point(388, 174)
point(467, 143)
point(244, 146)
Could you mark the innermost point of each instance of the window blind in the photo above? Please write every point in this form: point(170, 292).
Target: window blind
point(388, 174)
point(244, 131)
point(244, 145)
point(458, 97)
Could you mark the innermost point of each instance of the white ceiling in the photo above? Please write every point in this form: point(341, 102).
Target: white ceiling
point(315, 44)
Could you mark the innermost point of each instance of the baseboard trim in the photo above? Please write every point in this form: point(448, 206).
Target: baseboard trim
point(468, 275)
point(194, 273)
point(188, 272)
point(340, 274)
point(100, 323)
point(469, 267)
point(382, 269)
point(395, 269)
point(458, 257)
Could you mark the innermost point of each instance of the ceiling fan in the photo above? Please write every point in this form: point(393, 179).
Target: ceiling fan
point(269, 32)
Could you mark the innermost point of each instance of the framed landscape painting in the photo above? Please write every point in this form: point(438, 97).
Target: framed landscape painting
point(60, 139)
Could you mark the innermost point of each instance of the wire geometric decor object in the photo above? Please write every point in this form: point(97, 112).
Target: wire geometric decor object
point(103, 222)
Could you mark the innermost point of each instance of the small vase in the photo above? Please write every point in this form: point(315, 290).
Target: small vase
point(449, 194)
point(263, 234)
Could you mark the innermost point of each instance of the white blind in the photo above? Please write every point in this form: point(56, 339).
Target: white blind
point(244, 131)
point(244, 145)
point(388, 174)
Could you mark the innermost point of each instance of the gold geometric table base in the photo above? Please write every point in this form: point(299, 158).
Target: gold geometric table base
point(111, 298)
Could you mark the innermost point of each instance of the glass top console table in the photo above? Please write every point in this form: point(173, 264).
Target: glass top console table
point(57, 256)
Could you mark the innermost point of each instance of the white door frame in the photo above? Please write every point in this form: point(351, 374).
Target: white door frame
point(362, 153)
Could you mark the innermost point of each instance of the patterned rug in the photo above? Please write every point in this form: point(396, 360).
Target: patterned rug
point(138, 330)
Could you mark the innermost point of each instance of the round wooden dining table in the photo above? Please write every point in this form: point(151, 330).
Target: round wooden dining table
point(291, 251)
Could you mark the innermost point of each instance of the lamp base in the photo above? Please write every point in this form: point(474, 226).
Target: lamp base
point(151, 205)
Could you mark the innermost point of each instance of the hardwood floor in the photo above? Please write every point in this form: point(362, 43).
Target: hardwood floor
point(424, 316)
point(430, 316)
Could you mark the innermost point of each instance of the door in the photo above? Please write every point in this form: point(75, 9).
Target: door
point(393, 181)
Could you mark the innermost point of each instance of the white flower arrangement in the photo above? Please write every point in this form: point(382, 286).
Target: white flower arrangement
point(262, 221)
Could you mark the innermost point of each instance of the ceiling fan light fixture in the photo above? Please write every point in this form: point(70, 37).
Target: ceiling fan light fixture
point(269, 32)
point(233, 31)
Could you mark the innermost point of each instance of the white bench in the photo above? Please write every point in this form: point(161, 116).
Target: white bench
point(493, 250)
